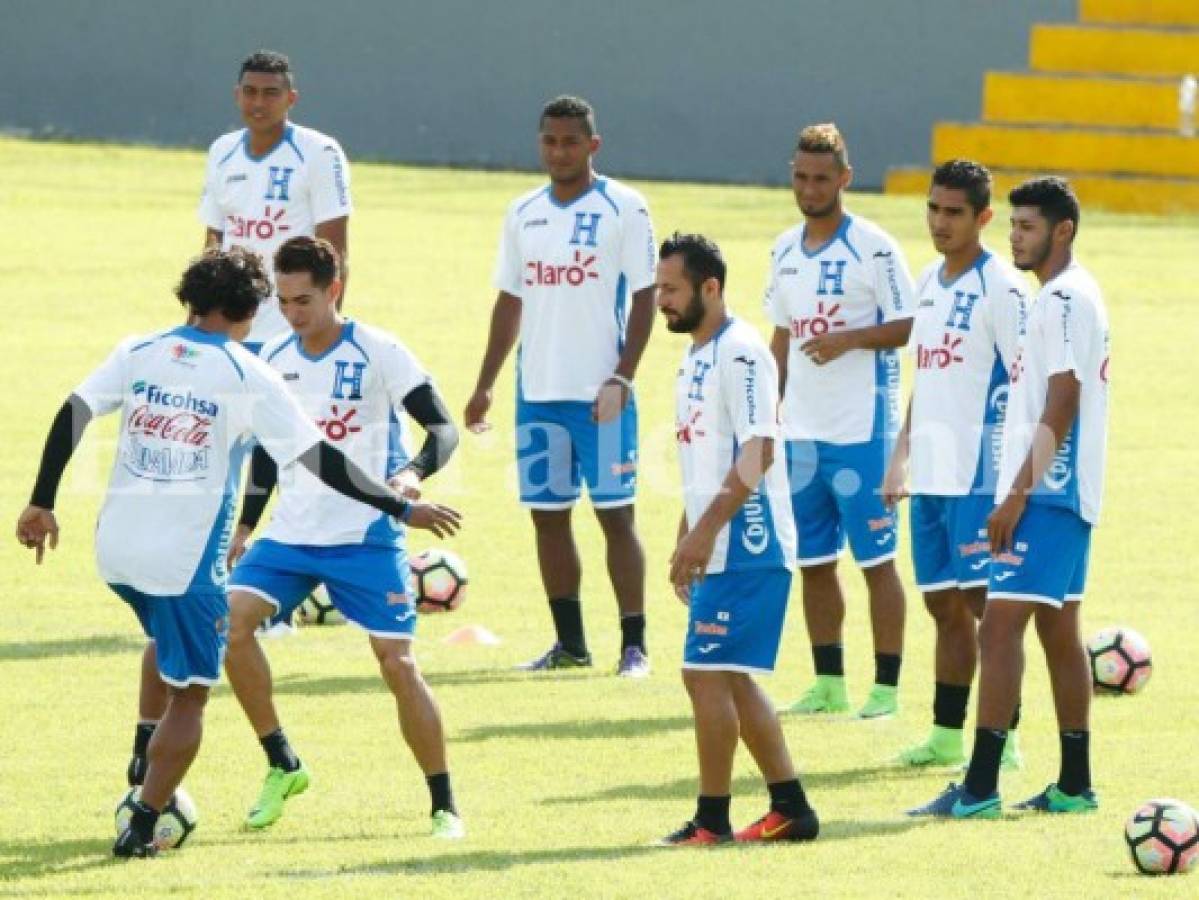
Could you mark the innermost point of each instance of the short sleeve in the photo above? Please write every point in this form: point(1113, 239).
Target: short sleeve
point(508, 263)
point(1009, 309)
point(638, 252)
point(772, 301)
point(210, 213)
point(329, 183)
point(274, 417)
point(104, 389)
point(401, 372)
point(892, 281)
point(750, 386)
point(1069, 330)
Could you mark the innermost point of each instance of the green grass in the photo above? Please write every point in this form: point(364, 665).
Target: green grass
point(563, 780)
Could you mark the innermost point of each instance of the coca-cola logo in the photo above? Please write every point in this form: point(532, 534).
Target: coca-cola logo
point(181, 427)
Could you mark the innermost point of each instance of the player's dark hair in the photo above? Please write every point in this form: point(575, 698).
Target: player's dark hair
point(232, 282)
point(313, 255)
point(270, 61)
point(973, 179)
point(824, 138)
point(1052, 196)
point(702, 259)
point(567, 107)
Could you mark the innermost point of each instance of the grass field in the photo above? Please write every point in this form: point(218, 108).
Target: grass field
point(563, 780)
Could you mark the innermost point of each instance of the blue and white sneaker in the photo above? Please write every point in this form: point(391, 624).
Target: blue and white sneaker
point(633, 663)
point(956, 803)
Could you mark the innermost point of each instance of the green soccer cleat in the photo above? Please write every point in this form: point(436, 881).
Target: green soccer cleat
point(447, 826)
point(943, 748)
point(826, 696)
point(279, 785)
point(1052, 800)
point(1012, 759)
point(882, 702)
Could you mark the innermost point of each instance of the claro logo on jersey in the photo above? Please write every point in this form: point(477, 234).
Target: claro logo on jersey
point(825, 319)
point(159, 396)
point(543, 274)
point(939, 357)
point(263, 229)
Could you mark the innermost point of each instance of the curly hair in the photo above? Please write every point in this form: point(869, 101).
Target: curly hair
point(232, 282)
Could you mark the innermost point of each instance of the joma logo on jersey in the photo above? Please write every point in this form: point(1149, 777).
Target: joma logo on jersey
point(939, 357)
point(586, 229)
point(263, 229)
point(278, 184)
point(550, 275)
point(348, 375)
point(819, 324)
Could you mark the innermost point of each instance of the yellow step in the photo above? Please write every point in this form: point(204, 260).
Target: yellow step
point(1079, 100)
point(1069, 149)
point(1155, 196)
point(1140, 12)
point(1120, 51)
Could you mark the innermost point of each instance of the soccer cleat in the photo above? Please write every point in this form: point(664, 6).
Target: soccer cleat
point(279, 785)
point(827, 695)
point(956, 803)
point(633, 663)
point(447, 826)
point(882, 702)
point(556, 658)
point(692, 835)
point(128, 846)
point(774, 826)
point(1053, 800)
point(943, 748)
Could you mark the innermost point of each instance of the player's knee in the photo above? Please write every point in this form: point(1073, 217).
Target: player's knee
point(700, 684)
point(401, 671)
point(192, 698)
point(551, 520)
point(996, 635)
point(616, 521)
point(819, 574)
point(246, 613)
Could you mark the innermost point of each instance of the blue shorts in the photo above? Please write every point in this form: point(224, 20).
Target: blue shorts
point(558, 447)
point(835, 494)
point(368, 585)
point(1047, 562)
point(189, 632)
point(949, 541)
point(736, 621)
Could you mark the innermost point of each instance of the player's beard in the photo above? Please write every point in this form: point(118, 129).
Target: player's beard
point(823, 212)
point(1036, 258)
point(690, 318)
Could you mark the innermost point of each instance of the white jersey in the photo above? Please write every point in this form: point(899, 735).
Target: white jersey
point(725, 395)
point(354, 392)
point(574, 267)
point(1067, 332)
point(857, 279)
point(191, 405)
point(260, 202)
point(964, 340)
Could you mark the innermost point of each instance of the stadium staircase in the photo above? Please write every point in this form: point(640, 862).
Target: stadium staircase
point(1100, 105)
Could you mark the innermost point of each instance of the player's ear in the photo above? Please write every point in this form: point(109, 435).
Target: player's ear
point(846, 177)
point(984, 217)
point(1063, 231)
point(334, 290)
point(596, 143)
point(292, 96)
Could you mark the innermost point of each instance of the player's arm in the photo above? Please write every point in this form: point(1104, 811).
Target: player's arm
point(337, 232)
point(885, 336)
point(780, 349)
point(618, 389)
point(424, 404)
point(501, 338)
point(37, 524)
point(1061, 409)
point(690, 558)
point(895, 482)
point(264, 475)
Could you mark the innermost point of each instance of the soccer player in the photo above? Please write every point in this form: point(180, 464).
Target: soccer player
point(273, 179)
point(735, 554)
point(571, 255)
point(968, 312)
point(191, 399)
point(355, 382)
point(1048, 498)
point(840, 296)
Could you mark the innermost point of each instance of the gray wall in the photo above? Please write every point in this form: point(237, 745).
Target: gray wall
point(691, 89)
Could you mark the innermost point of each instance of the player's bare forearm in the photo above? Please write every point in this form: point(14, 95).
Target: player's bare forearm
point(780, 349)
point(886, 336)
point(501, 338)
point(641, 325)
point(337, 232)
point(1061, 409)
point(894, 487)
point(746, 473)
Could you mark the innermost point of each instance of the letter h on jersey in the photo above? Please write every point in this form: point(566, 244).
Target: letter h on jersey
point(586, 229)
point(832, 277)
point(343, 378)
point(278, 185)
point(698, 374)
point(963, 306)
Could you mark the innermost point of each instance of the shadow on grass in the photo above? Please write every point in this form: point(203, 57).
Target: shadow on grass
point(596, 729)
point(35, 858)
point(359, 684)
point(97, 645)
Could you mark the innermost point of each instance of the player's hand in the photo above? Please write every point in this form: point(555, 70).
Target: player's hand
point(237, 546)
point(683, 592)
point(406, 483)
point(475, 415)
point(441, 520)
point(690, 558)
point(1001, 525)
point(613, 397)
point(827, 347)
point(34, 526)
point(895, 484)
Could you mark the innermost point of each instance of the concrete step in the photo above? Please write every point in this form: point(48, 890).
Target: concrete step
point(1139, 12)
point(1158, 52)
point(1020, 97)
point(1114, 193)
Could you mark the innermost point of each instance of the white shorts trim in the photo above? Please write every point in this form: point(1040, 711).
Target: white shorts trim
point(937, 586)
point(876, 561)
point(727, 667)
point(262, 595)
point(386, 635)
point(613, 504)
point(1026, 598)
point(548, 507)
point(189, 682)
point(818, 560)
point(968, 585)
point(1074, 598)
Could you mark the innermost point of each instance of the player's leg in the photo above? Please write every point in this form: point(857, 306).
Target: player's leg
point(152, 698)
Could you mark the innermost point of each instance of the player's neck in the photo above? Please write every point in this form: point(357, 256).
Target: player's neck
point(317, 342)
point(212, 323)
point(959, 262)
point(566, 191)
point(819, 230)
point(1053, 266)
point(711, 324)
point(263, 141)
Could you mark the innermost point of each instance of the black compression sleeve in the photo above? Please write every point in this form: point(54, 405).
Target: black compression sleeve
point(332, 467)
point(264, 475)
point(65, 433)
point(425, 405)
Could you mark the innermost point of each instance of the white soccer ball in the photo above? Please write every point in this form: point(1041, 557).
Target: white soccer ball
point(177, 821)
